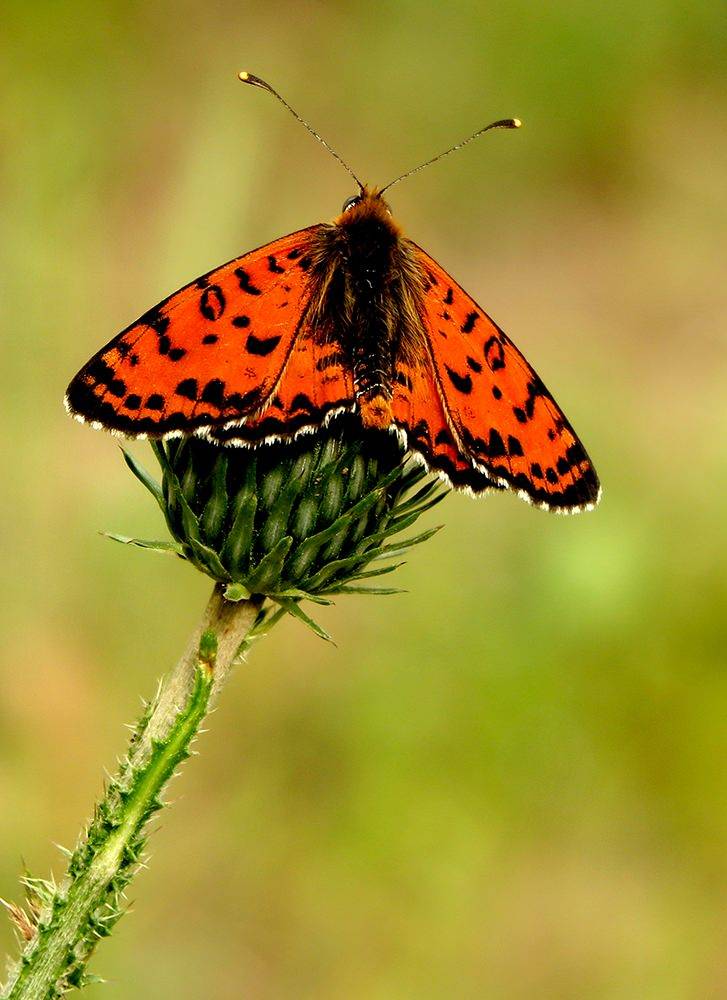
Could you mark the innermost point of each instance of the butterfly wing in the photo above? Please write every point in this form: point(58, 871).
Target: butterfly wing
point(499, 413)
point(419, 411)
point(210, 354)
point(315, 383)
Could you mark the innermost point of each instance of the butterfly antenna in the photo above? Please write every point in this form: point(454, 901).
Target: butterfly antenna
point(503, 123)
point(256, 81)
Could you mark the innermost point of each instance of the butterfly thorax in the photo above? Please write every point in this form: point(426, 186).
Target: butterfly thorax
point(367, 291)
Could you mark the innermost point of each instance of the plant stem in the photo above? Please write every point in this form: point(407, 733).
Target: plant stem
point(66, 921)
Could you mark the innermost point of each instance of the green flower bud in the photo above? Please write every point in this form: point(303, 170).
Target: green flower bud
point(291, 519)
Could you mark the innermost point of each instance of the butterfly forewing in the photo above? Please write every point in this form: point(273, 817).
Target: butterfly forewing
point(500, 413)
point(211, 353)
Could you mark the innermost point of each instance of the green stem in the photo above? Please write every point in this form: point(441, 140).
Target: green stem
point(66, 921)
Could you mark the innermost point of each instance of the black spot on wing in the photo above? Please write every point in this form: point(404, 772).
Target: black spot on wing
point(475, 445)
point(469, 323)
point(214, 393)
point(261, 346)
point(495, 445)
point(246, 282)
point(449, 297)
point(210, 338)
point(473, 364)
point(100, 372)
point(212, 303)
point(187, 388)
point(241, 321)
point(576, 454)
point(177, 353)
point(462, 383)
point(117, 387)
point(494, 354)
point(243, 401)
point(514, 447)
point(302, 402)
point(535, 389)
point(155, 402)
point(132, 401)
point(274, 266)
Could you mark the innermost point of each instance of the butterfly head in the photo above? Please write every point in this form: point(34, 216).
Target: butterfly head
point(367, 204)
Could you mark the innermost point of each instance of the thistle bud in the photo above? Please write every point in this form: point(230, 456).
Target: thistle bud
point(306, 518)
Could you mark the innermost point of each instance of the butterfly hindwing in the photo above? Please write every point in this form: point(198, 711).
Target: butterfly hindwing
point(315, 383)
point(500, 413)
point(418, 411)
point(210, 354)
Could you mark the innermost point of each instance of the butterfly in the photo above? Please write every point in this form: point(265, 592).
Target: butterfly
point(350, 316)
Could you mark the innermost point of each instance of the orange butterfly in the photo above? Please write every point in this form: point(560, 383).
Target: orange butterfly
point(351, 316)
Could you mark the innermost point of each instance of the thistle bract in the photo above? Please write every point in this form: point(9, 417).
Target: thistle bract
point(291, 519)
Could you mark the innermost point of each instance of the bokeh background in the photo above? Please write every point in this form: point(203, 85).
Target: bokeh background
point(510, 781)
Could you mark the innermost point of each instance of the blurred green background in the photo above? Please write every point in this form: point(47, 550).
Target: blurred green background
point(510, 781)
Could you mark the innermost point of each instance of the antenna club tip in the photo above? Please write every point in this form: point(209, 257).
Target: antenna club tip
point(256, 81)
point(516, 123)
point(251, 78)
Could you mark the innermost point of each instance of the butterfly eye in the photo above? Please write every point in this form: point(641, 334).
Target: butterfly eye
point(350, 202)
